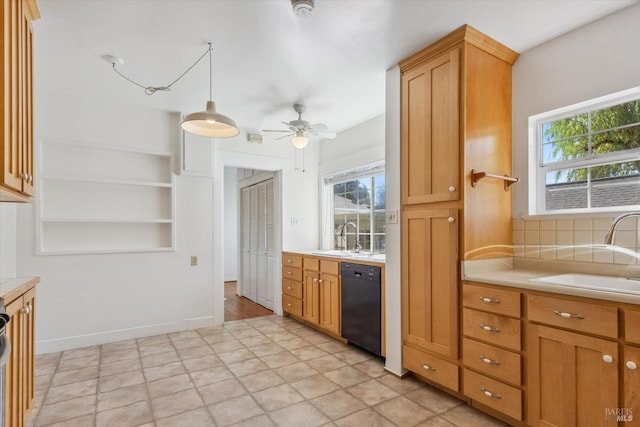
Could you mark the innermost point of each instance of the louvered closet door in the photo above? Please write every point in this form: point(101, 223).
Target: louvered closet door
point(258, 240)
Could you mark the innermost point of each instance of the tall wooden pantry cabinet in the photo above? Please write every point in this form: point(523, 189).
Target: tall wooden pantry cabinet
point(455, 118)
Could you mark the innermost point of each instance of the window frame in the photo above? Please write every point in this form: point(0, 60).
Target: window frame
point(538, 170)
point(328, 181)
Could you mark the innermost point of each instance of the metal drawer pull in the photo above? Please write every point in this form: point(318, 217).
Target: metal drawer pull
point(289, 273)
point(607, 358)
point(289, 260)
point(631, 365)
point(489, 361)
point(289, 305)
point(490, 300)
point(489, 328)
point(489, 394)
point(567, 315)
point(427, 367)
point(289, 287)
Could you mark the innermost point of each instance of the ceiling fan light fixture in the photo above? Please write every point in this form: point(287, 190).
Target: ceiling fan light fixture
point(300, 140)
point(210, 123)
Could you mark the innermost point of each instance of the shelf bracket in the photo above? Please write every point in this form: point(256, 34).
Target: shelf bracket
point(477, 176)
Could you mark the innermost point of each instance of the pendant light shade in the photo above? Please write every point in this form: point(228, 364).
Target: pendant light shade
point(210, 123)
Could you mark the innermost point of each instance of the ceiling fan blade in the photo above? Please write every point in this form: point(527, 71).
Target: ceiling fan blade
point(285, 136)
point(318, 127)
point(327, 134)
point(274, 130)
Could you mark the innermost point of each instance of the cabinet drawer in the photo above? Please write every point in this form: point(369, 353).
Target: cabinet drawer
point(312, 264)
point(632, 326)
point(492, 328)
point(292, 288)
point(579, 316)
point(489, 299)
point(430, 367)
point(494, 394)
point(330, 267)
point(292, 305)
point(291, 273)
point(496, 362)
point(292, 260)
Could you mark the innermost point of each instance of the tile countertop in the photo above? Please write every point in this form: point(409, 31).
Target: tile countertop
point(347, 256)
point(12, 288)
point(517, 273)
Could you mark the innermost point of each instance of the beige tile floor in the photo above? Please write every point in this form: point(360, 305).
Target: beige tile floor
point(267, 371)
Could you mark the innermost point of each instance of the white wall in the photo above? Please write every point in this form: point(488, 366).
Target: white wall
point(231, 224)
point(91, 299)
point(7, 240)
point(358, 145)
point(393, 248)
point(595, 60)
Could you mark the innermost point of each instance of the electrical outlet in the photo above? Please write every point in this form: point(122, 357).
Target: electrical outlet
point(392, 216)
point(194, 261)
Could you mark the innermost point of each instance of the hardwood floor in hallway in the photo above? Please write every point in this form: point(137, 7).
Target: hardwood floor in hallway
point(237, 308)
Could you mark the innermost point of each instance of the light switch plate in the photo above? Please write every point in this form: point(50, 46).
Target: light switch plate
point(392, 216)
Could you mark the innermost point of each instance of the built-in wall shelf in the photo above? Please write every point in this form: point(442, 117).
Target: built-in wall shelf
point(103, 199)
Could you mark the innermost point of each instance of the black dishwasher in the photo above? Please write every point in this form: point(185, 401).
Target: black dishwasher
point(361, 317)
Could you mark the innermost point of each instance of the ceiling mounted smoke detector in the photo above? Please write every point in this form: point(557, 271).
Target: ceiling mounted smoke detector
point(302, 7)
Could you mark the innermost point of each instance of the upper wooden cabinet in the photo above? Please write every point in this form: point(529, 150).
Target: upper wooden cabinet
point(456, 117)
point(430, 125)
point(16, 121)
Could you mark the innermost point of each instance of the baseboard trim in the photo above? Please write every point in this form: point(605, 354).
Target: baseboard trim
point(87, 340)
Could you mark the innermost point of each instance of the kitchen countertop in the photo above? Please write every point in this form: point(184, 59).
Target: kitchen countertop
point(518, 274)
point(346, 256)
point(12, 288)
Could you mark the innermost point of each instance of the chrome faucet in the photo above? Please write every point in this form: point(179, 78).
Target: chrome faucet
point(608, 240)
point(357, 246)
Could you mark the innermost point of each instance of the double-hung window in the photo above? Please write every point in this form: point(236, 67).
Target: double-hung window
point(357, 208)
point(586, 157)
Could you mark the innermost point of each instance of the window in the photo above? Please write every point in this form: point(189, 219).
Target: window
point(586, 157)
point(358, 197)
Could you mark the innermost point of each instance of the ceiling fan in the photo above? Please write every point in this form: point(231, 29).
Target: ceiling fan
point(302, 129)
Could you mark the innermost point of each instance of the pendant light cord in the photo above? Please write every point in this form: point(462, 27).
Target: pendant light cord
point(150, 90)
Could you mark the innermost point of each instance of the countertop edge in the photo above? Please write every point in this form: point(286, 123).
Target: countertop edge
point(12, 288)
point(355, 260)
point(520, 279)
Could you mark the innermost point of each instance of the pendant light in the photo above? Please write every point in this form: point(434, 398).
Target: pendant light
point(209, 122)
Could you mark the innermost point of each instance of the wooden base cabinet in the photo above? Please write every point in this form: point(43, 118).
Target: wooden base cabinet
point(19, 371)
point(321, 293)
point(573, 378)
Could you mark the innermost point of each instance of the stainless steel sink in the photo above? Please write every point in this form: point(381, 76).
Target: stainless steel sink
point(351, 255)
point(594, 282)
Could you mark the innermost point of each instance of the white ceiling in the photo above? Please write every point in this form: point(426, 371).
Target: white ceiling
point(266, 58)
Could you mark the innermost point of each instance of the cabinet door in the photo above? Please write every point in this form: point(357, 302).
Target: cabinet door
point(430, 280)
point(329, 287)
point(430, 130)
point(11, 78)
point(310, 294)
point(13, 415)
point(573, 378)
point(28, 351)
point(632, 381)
point(25, 123)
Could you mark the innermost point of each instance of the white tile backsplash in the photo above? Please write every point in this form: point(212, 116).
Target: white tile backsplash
point(577, 239)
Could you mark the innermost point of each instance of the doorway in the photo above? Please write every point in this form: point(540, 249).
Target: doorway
point(250, 211)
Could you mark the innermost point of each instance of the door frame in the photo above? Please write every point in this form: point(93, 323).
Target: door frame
point(247, 161)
